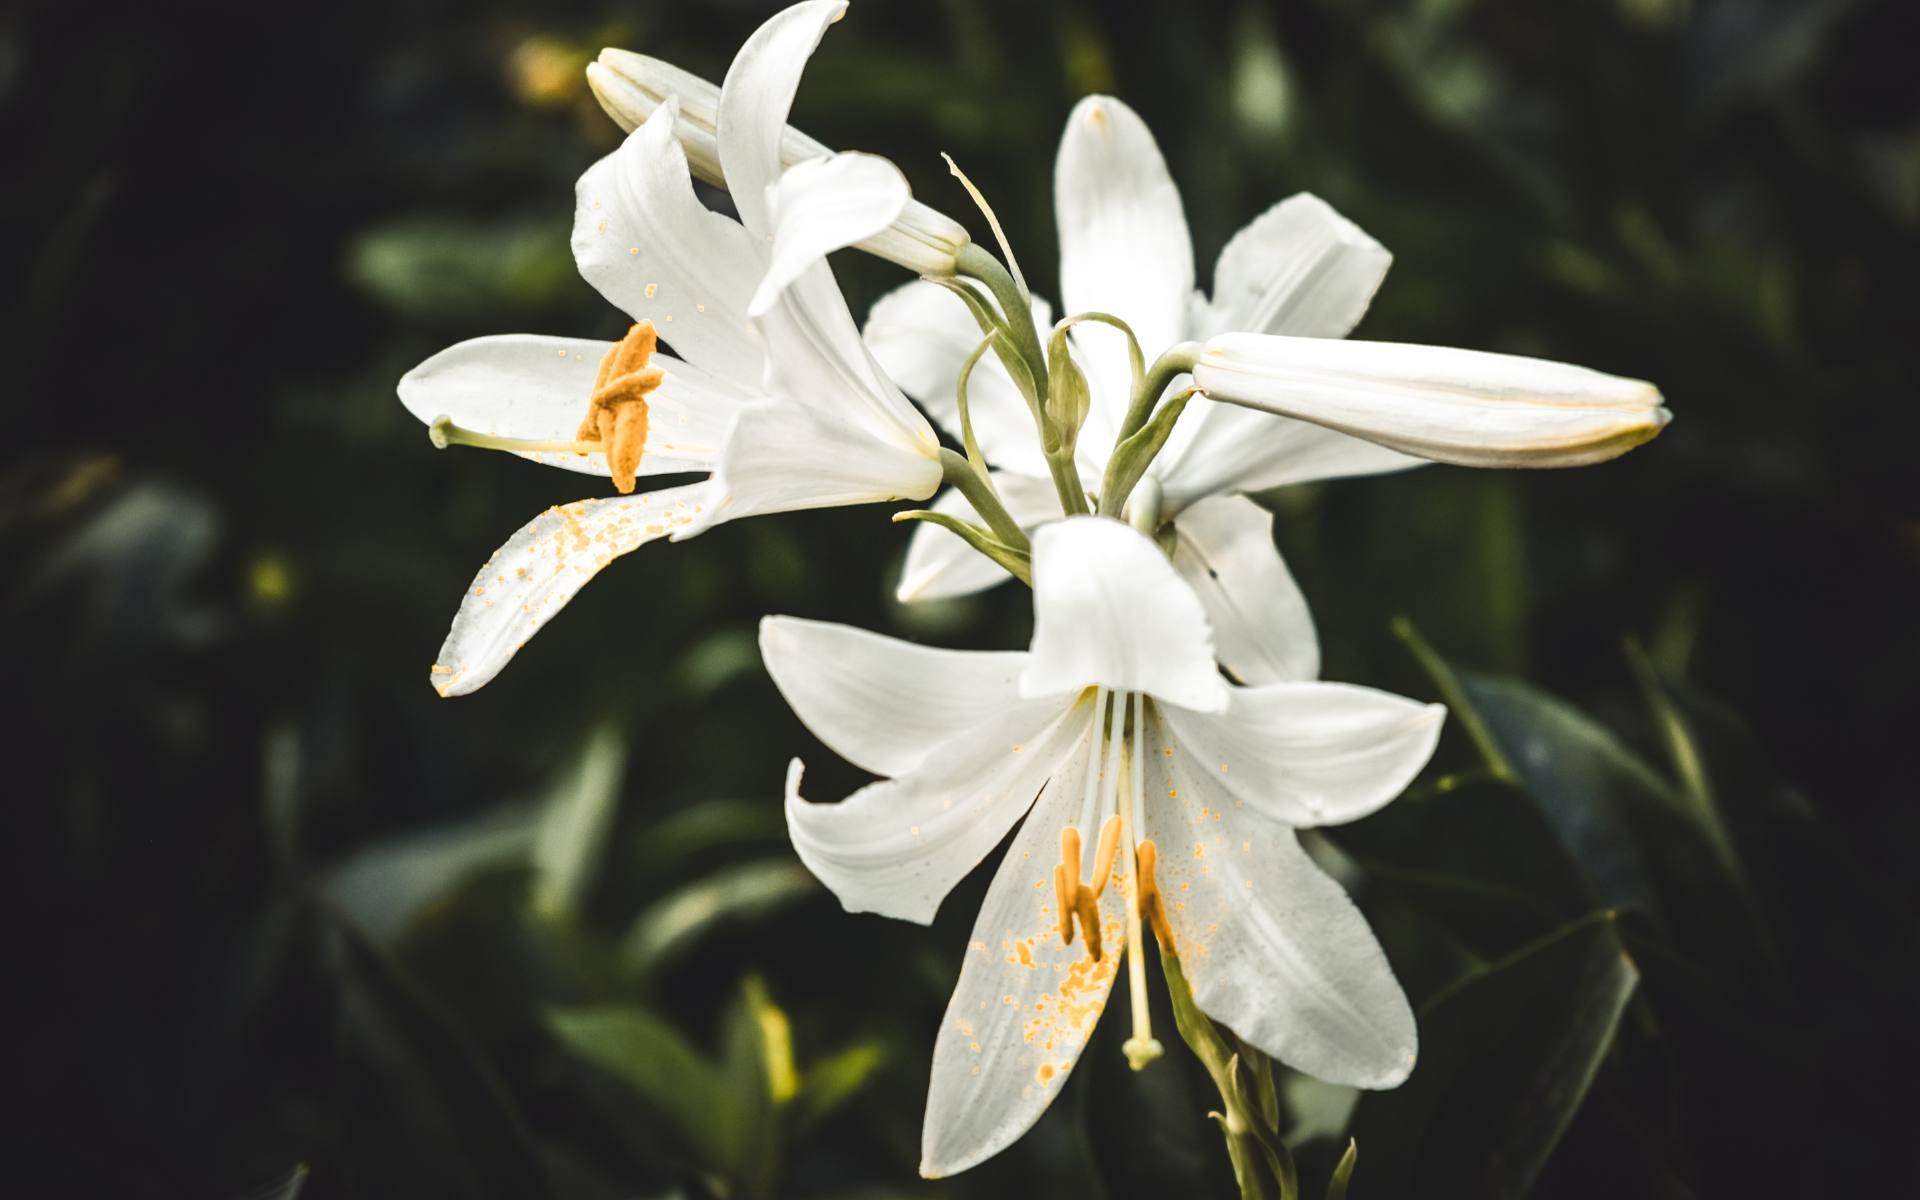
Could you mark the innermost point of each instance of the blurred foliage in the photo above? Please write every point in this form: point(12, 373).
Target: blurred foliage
point(296, 927)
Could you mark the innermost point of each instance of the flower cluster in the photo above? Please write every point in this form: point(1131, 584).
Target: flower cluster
point(1155, 749)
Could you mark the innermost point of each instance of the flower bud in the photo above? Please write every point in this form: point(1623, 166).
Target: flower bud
point(630, 86)
point(1457, 406)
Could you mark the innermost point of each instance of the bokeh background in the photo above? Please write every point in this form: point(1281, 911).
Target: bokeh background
point(289, 924)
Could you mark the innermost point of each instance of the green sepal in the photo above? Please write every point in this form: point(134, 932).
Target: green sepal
point(1343, 1172)
point(1068, 399)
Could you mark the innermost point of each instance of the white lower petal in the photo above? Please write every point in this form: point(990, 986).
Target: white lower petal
point(1109, 609)
point(1309, 754)
point(1300, 268)
point(539, 569)
point(782, 457)
point(1459, 406)
point(1274, 948)
point(897, 847)
point(922, 334)
point(1262, 632)
point(878, 702)
point(940, 565)
point(823, 205)
point(1025, 1004)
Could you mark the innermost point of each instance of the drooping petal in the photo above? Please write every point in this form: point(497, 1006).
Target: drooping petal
point(782, 456)
point(879, 702)
point(1460, 406)
point(823, 205)
point(1026, 1003)
point(1274, 949)
point(922, 334)
point(1309, 754)
point(897, 847)
point(644, 240)
point(939, 565)
point(1232, 449)
point(755, 98)
point(1300, 268)
point(1124, 245)
point(631, 86)
point(1109, 609)
point(536, 388)
point(1262, 632)
point(539, 569)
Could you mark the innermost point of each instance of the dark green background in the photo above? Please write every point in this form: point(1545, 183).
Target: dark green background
point(231, 555)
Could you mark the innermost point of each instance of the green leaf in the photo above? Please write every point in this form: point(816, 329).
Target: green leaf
point(576, 818)
point(746, 891)
point(1508, 1053)
point(709, 825)
point(652, 1058)
point(756, 1065)
point(1343, 1172)
point(830, 1083)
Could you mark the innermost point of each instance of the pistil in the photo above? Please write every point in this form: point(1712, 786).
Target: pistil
point(1142, 1048)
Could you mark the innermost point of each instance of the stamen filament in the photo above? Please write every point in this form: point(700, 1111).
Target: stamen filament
point(1142, 1048)
point(443, 433)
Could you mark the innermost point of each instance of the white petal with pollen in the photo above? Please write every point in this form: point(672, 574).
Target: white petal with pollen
point(539, 569)
point(1026, 1003)
point(1274, 948)
point(643, 239)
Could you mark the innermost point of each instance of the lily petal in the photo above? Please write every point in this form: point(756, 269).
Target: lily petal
point(1025, 1004)
point(1308, 754)
point(1460, 406)
point(824, 205)
point(1275, 950)
point(939, 565)
point(922, 335)
point(644, 240)
point(1124, 245)
point(1109, 609)
point(1262, 631)
point(783, 456)
point(521, 385)
point(755, 98)
point(867, 696)
point(539, 569)
point(1234, 449)
point(897, 847)
point(1300, 268)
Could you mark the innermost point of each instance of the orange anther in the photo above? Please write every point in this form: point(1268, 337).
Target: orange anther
point(617, 411)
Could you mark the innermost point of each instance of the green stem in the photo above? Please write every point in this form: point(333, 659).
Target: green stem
point(1177, 361)
point(978, 489)
point(1015, 308)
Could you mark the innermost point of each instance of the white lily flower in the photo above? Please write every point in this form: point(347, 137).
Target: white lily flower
point(771, 391)
point(631, 87)
point(1116, 721)
point(1300, 268)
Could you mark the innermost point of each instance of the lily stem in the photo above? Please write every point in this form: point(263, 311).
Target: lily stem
point(978, 489)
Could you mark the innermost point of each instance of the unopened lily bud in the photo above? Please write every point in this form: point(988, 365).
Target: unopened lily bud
point(1068, 399)
point(1457, 406)
point(630, 86)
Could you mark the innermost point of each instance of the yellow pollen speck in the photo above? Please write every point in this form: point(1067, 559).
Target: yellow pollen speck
point(1173, 793)
point(633, 250)
point(1046, 1072)
point(974, 1046)
point(1016, 748)
point(914, 830)
point(1223, 768)
point(651, 289)
point(699, 308)
point(1168, 752)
